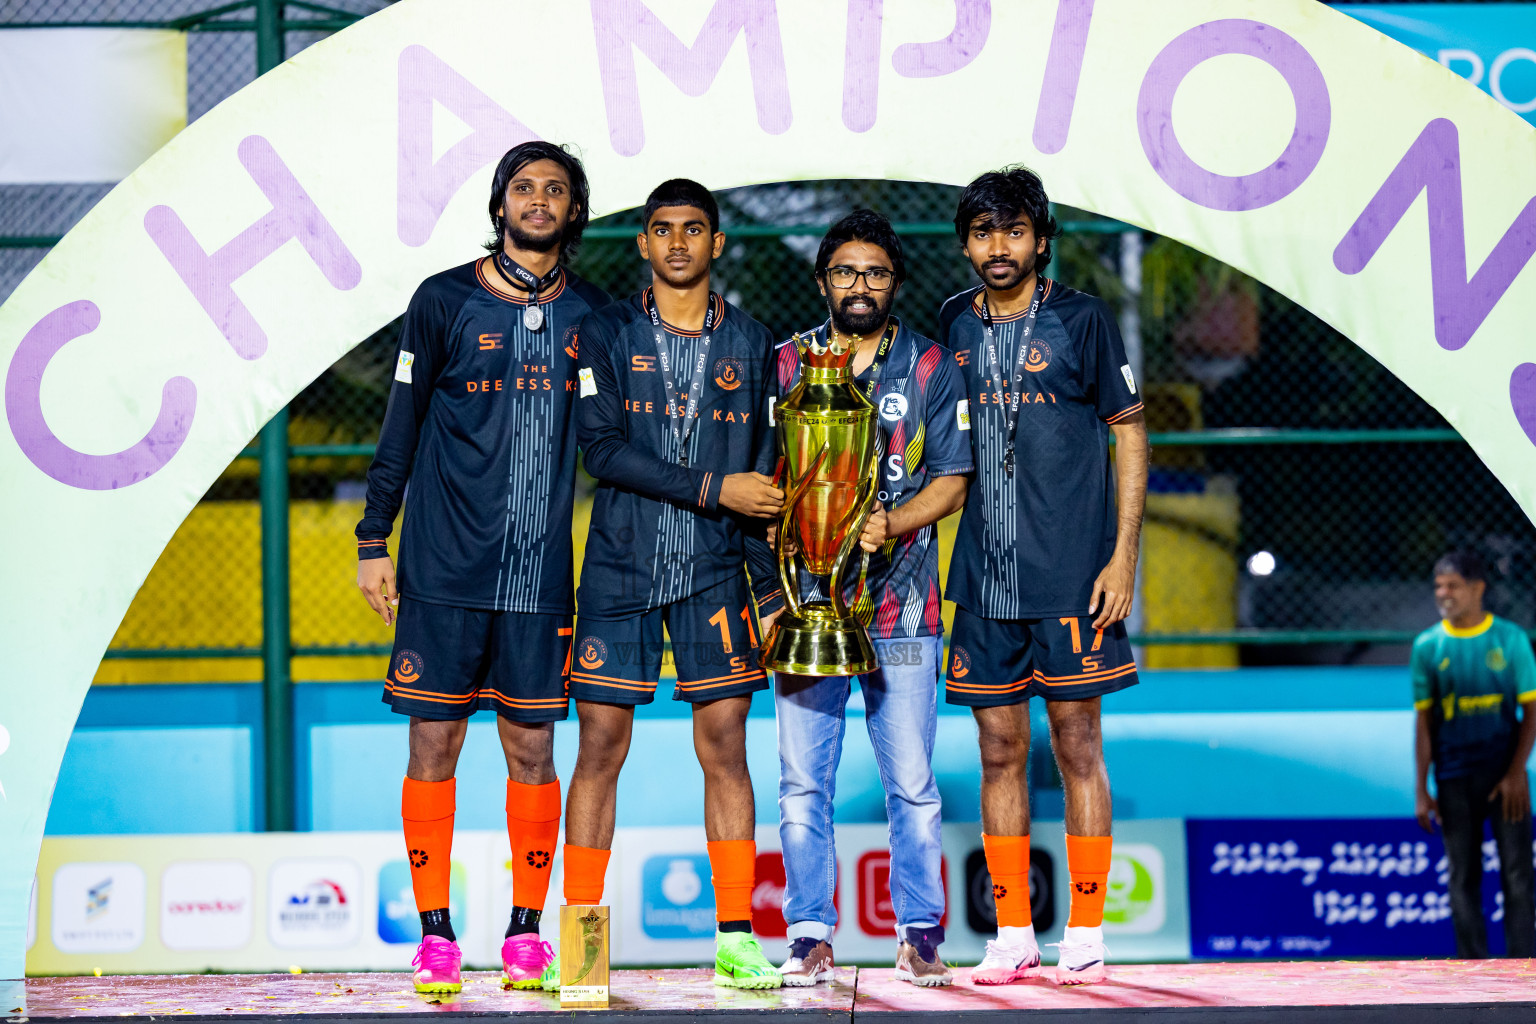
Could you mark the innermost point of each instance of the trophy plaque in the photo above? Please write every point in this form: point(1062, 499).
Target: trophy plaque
point(828, 438)
point(584, 957)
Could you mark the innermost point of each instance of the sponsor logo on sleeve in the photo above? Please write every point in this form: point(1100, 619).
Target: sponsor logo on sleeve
point(771, 421)
point(1130, 378)
point(588, 384)
point(963, 413)
point(403, 367)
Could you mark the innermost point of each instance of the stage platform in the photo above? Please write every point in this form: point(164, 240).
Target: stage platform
point(1429, 991)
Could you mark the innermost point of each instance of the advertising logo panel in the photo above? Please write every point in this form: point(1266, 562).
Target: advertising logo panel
point(677, 899)
point(399, 918)
point(206, 904)
point(98, 907)
point(1137, 900)
point(1326, 888)
point(313, 903)
point(981, 906)
point(877, 912)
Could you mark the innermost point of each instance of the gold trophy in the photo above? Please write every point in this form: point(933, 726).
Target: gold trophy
point(829, 441)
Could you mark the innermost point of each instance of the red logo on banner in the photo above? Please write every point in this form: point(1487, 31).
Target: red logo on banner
point(877, 916)
point(768, 897)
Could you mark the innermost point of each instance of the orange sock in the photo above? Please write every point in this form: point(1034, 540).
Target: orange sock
point(427, 811)
point(1008, 863)
point(1088, 864)
point(585, 868)
point(733, 871)
point(533, 826)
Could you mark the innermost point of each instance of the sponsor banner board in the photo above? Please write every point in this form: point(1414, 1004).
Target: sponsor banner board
point(1326, 888)
point(343, 900)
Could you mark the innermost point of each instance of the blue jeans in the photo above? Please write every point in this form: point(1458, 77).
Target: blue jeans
point(900, 713)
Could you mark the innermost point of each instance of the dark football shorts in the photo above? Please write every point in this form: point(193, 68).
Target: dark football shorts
point(451, 662)
point(714, 647)
point(996, 662)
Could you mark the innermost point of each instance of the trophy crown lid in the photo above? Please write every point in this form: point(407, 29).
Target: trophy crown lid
point(834, 355)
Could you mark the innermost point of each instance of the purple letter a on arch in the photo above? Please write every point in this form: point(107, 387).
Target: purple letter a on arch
point(426, 187)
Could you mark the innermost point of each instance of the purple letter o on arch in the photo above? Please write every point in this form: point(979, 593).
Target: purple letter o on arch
point(1154, 115)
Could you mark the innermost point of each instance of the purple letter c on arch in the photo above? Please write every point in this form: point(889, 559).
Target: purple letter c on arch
point(24, 411)
point(1220, 191)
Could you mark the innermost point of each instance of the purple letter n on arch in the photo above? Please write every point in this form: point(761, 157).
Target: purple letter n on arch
point(1221, 191)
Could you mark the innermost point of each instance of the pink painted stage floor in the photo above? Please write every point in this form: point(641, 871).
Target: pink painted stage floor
point(1484, 992)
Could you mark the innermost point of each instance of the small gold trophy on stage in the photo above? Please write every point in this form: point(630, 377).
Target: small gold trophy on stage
point(828, 439)
point(584, 957)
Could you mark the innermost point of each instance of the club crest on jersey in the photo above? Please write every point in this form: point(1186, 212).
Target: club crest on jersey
point(1039, 357)
point(571, 348)
point(593, 652)
point(893, 407)
point(959, 664)
point(727, 374)
point(408, 667)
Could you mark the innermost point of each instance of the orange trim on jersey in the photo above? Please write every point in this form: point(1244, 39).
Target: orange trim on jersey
point(714, 299)
point(401, 691)
point(976, 304)
point(619, 684)
point(1123, 413)
point(1095, 677)
point(704, 489)
point(690, 687)
point(565, 631)
point(369, 543)
point(542, 702)
point(512, 299)
point(734, 677)
point(984, 688)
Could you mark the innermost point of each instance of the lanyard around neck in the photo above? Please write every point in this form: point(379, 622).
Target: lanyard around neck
point(682, 406)
point(1011, 398)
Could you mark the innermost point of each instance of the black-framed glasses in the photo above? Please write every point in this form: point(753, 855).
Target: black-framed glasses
point(877, 279)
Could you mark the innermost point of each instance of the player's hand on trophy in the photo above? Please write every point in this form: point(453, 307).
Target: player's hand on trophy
point(751, 494)
point(1112, 593)
point(376, 579)
point(773, 539)
point(874, 530)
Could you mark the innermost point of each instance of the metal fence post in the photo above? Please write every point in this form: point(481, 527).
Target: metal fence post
point(276, 640)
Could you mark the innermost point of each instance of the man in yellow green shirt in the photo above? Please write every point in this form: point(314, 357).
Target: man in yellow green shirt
point(1474, 681)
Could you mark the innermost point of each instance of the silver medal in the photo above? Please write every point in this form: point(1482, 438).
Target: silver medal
point(533, 316)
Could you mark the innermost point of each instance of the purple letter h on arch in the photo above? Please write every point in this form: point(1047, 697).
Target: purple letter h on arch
point(211, 276)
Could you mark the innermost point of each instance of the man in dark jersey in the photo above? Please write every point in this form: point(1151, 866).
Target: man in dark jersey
point(1044, 568)
point(673, 418)
point(925, 456)
point(481, 423)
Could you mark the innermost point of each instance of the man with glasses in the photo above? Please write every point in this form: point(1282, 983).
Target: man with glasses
point(925, 456)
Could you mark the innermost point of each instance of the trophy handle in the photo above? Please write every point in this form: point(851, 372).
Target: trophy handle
point(860, 510)
point(788, 578)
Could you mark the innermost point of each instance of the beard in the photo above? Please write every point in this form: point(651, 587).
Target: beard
point(861, 323)
point(534, 243)
point(1021, 272)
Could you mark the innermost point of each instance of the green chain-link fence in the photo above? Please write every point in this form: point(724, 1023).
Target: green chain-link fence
point(1300, 493)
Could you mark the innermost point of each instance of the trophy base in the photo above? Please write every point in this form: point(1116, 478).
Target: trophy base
point(818, 643)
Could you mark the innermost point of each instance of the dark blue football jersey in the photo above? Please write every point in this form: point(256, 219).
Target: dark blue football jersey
point(481, 423)
point(1031, 545)
point(919, 401)
point(659, 533)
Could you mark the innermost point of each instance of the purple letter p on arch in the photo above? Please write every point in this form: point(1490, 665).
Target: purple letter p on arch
point(24, 411)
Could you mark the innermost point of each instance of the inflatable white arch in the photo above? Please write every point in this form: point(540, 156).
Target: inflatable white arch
point(246, 256)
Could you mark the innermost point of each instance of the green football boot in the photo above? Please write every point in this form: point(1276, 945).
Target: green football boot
point(741, 963)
